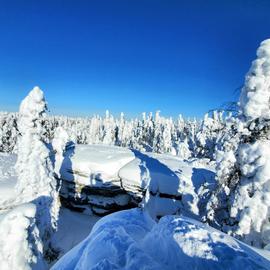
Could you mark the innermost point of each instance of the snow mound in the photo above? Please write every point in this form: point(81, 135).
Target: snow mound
point(132, 240)
point(175, 183)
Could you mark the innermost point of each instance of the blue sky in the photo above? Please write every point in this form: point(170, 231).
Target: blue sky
point(132, 56)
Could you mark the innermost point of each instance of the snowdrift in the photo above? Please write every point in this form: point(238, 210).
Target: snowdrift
point(130, 239)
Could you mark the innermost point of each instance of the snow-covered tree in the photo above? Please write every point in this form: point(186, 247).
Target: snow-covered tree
point(8, 132)
point(36, 182)
point(209, 133)
point(241, 204)
point(108, 129)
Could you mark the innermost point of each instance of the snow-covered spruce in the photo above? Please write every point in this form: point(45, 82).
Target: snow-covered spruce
point(241, 204)
point(36, 182)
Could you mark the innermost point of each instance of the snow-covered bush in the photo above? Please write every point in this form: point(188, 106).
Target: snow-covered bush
point(20, 244)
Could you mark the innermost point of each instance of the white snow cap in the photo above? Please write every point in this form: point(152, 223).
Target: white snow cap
point(32, 108)
point(34, 102)
point(255, 95)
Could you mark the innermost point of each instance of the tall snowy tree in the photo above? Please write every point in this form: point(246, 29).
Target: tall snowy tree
point(241, 205)
point(36, 182)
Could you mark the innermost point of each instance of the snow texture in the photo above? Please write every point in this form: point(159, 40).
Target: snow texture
point(132, 240)
point(20, 245)
point(255, 95)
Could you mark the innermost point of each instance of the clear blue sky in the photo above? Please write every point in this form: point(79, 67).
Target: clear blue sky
point(132, 56)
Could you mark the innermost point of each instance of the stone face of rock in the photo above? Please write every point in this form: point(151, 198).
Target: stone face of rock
point(103, 179)
point(97, 200)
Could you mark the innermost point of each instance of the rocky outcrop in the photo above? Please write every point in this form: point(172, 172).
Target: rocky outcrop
point(103, 179)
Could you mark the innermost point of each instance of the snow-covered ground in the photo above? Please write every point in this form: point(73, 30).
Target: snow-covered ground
point(128, 239)
point(73, 227)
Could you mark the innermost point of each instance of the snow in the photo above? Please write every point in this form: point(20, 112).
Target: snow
point(255, 95)
point(251, 205)
point(72, 228)
point(90, 164)
point(8, 176)
point(20, 245)
point(130, 239)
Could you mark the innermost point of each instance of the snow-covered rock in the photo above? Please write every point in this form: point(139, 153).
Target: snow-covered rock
point(94, 164)
point(132, 240)
point(90, 181)
point(109, 178)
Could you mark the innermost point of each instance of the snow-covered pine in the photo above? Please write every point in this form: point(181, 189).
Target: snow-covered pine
point(241, 203)
point(36, 182)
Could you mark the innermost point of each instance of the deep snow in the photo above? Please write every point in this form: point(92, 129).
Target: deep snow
point(130, 239)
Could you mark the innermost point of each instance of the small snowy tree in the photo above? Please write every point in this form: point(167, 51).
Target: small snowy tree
point(108, 129)
point(59, 144)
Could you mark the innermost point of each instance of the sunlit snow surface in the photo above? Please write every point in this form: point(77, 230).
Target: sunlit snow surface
point(131, 240)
